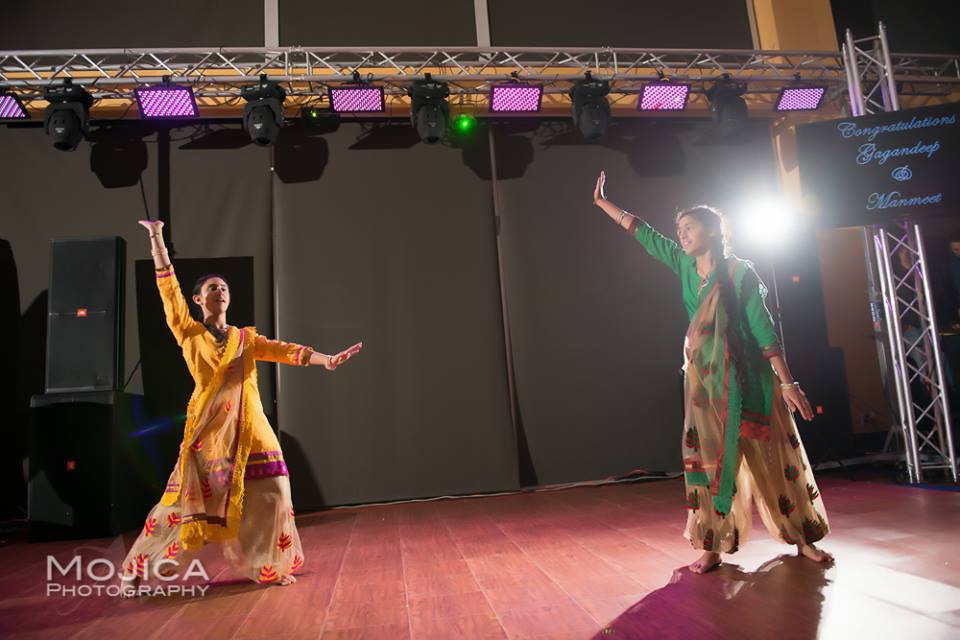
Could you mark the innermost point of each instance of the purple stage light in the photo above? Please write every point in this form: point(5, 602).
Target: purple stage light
point(515, 98)
point(663, 96)
point(800, 99)
point(356, 99)
point(11, 109)
point(166, 102)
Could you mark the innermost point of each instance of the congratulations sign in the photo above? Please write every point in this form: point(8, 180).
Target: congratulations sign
point(879, 168)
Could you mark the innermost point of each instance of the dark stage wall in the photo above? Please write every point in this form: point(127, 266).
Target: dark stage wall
point(98, 24)
point(924, 26)
point(383, 239)
point(920, 26)
point(685, 24)
point(394, 245)
point(107, 24)
point(415, 23)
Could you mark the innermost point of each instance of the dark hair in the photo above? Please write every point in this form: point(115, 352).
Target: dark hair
point(713, 220)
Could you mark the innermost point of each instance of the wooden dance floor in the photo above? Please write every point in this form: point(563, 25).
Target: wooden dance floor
point(593, 562)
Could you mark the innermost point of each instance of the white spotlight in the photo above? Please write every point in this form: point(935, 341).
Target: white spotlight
point(768, 220)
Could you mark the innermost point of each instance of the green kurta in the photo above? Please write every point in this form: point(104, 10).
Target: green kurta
point(736, 438)
point(749, 407)
point(755, 311)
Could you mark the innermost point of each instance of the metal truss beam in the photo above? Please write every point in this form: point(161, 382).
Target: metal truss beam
point(217, 74)
point(875, 78)
point(916, 361)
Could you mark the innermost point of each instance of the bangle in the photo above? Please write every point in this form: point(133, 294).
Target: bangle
point(789, 385)
point(620, 221)
point(159, 252)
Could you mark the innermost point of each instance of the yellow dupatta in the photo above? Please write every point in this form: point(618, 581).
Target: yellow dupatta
point(209, 476)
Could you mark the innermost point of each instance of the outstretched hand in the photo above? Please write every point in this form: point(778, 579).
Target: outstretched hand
point(336, 360)
point(153, 227)
point(796, 400)
point(598, 190)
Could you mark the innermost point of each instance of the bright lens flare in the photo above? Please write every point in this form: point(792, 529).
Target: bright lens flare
point(768, 220)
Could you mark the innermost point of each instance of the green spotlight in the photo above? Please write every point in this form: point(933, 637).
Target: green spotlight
point(465, 123)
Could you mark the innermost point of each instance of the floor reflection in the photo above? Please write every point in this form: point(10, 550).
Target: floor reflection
point(782, 599)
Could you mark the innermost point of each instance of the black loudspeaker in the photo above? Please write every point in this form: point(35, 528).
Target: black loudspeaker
point(85, 318)
point(92, 468)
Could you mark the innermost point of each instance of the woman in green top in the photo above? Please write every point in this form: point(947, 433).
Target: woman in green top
point(739, 440)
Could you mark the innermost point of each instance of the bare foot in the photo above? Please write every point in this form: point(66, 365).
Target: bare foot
point(285, 580)
point(709, 560)
point(817, 555)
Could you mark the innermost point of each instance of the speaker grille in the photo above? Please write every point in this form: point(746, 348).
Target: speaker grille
point(85, 321)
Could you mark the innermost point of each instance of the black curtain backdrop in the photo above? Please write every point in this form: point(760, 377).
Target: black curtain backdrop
point(105, 24)
point(371, 235)
point(597, 325)
point(392, 243)
point(921, 26)
point(11, 467)
point(99, 24)
point(683, 24)
point(378, 23)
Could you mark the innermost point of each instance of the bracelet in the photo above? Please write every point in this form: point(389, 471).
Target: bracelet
point(620, 221)
point(159, 252)
point(789, 385)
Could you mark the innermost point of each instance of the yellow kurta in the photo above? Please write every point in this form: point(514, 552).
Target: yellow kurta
point(227, 438)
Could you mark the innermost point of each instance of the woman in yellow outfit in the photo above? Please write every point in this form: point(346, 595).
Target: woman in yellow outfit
point(230, 483)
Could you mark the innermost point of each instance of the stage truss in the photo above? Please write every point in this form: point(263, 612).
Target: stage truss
point(218, 74)
point(914, 362)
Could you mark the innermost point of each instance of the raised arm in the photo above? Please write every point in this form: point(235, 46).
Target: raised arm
point(299, 355)
point(175, 306)
point(657, 245)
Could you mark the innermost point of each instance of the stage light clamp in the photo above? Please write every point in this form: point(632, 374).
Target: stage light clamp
point(265, 88)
